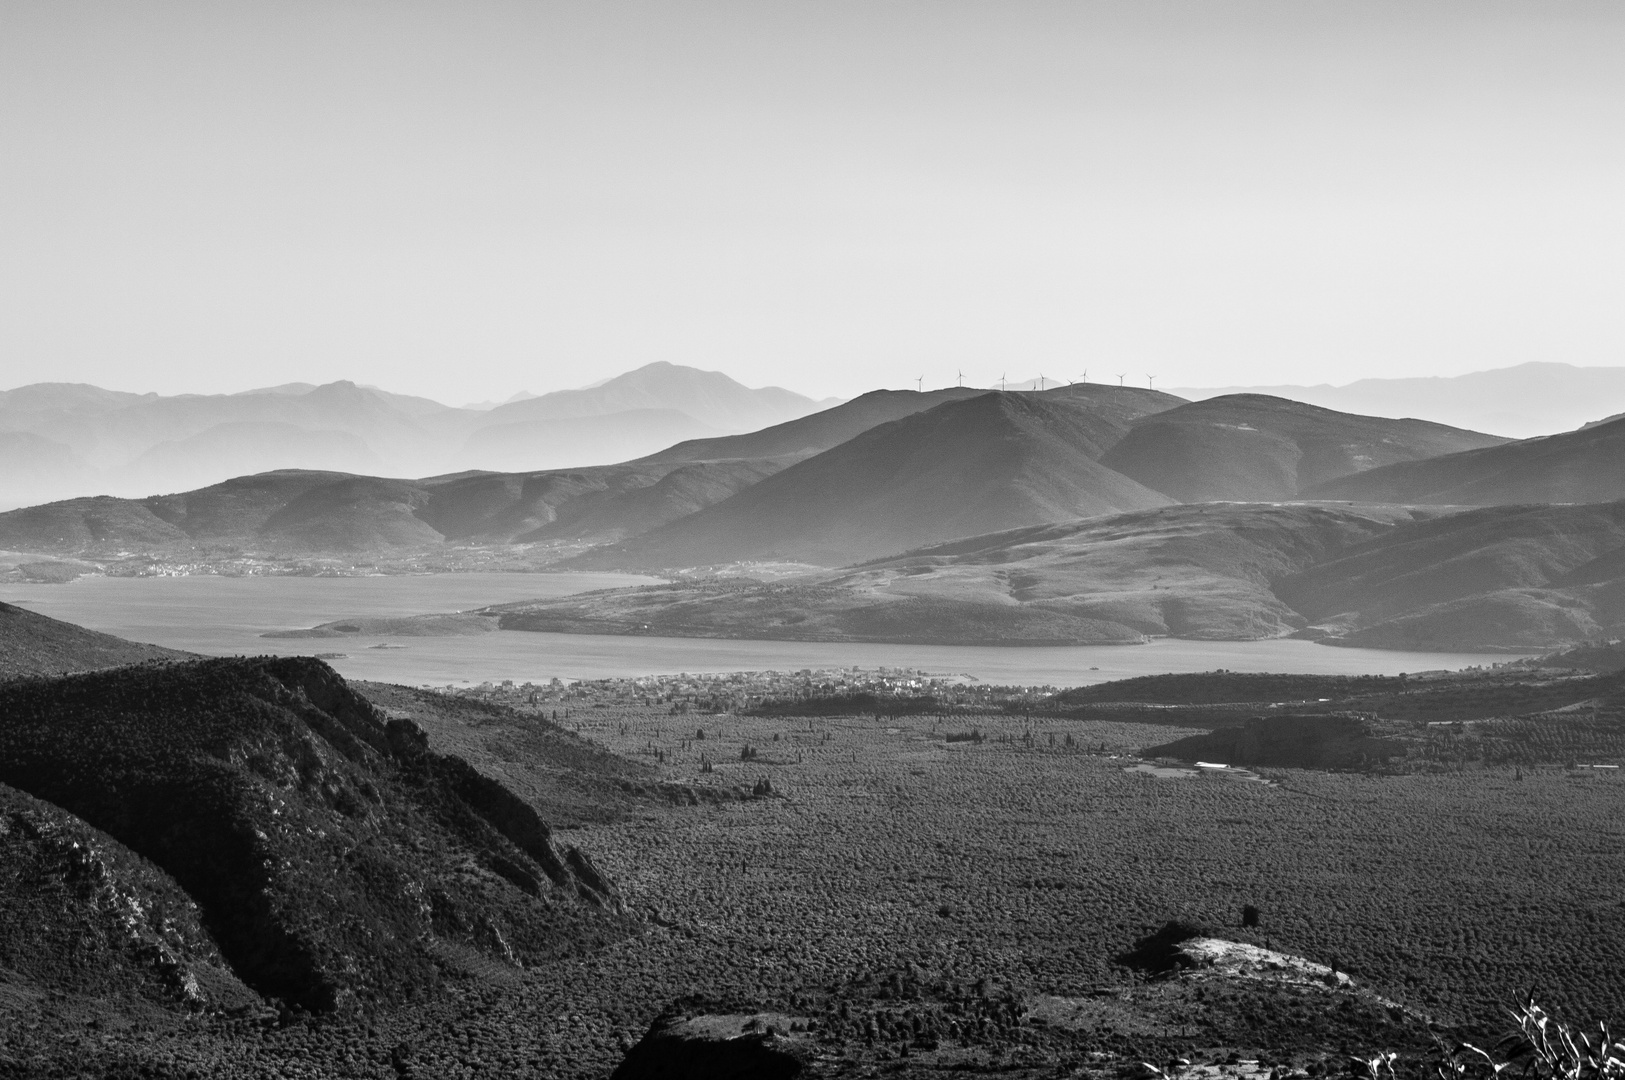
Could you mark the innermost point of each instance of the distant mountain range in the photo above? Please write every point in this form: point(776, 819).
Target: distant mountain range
point(1001, 460)
point(960, 468)
point(917, 494)
point(1519, 402)
point(60, 439)
point(881, 474)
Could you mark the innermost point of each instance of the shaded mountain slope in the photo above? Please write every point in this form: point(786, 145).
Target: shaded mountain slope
point(86, 915)
point(335, 858)
point(352, 513)
point(823, 430)
point(34, 644)
point(816, 433)
point(1248, 447)
point(1581, 466)
point(966, 467)
point(1501, 577)
point(608, 502)
point(572, 782)
point(295, 511)
point(633, 511)
point(1193, 572)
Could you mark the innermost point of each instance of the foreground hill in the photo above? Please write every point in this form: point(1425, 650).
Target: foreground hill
point(33, 644)
point(1529, 577)
point(336, 860)
point(1248, 447)
point(965, 467)
point(1191, 572)
point(67, 895)
point(1581, 466)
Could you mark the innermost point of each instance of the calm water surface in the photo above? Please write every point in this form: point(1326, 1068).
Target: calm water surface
point(222, 616)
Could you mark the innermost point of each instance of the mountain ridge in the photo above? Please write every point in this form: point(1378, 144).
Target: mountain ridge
point(1582, 466)
point(1254, 447)
point(62, 440)
point(952, 470)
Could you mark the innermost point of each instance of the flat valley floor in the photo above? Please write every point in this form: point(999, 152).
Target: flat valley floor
point(889, 861)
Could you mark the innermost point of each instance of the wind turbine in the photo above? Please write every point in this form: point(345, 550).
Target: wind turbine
point(1001, 380)
point(1121, 377)
point(919, 385)
point(1151, 381)
point(1040, 380)
point(961, 376)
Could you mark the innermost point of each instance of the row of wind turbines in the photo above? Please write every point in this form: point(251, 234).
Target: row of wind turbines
point(1150, 380)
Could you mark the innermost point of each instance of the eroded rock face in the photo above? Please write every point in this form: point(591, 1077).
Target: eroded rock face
point(733, 1046)
point(84, 914)
point(331, 852)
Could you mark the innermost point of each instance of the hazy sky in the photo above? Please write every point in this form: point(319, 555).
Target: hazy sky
point(466, 199)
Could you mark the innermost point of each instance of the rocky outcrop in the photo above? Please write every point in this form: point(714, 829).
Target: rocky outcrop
point(732, 1046)
point(85, 914)
point(329, 849)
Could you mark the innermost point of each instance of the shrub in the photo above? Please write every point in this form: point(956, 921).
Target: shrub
point(1541, 1047)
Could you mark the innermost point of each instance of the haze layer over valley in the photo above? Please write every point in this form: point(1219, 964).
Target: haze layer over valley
point(62, 439)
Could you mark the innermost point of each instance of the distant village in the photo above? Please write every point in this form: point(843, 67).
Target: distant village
point(749, 691)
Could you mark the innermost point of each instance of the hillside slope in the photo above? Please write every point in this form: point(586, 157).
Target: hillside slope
point(299, 512)
point(1583, 466)
point(1190, 571)
point(994, 461)
point(67, 895)
point(34, 644)
point(1514, 577)
point(335, 858)
point(1253, 447)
